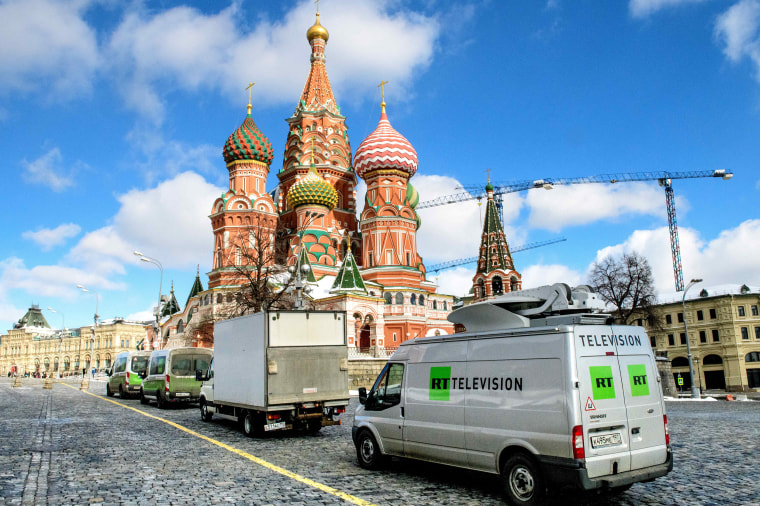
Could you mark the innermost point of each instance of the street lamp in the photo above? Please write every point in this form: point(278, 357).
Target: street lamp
point(694, 390)
point(95, 321)
point(151, 260)
point(302, 269)
point(60, 342)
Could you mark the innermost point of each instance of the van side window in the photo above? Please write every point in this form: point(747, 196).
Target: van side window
point(157, 365)
point(387, 389)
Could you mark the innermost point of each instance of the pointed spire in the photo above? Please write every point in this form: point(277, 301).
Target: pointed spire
point(304, 260)
point(493, 239)
point(197, 286)
point(349, 279)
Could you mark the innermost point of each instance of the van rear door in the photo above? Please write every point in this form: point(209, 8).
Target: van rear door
point(603, 411)
point(643, 398)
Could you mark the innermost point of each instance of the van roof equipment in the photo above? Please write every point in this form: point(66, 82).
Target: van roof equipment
point(546, 305)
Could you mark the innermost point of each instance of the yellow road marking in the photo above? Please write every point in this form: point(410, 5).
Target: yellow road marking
point(261, 462)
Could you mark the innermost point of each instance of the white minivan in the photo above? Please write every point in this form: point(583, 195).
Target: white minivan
point(539, 389)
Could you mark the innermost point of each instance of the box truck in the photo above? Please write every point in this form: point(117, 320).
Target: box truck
point(540, 389)
point(278, 370)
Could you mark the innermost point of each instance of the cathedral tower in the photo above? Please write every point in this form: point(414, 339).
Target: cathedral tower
point(244, 217)
point(317, 122)
point(496, 273)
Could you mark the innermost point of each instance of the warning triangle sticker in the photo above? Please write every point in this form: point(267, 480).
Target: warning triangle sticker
point(590, 405)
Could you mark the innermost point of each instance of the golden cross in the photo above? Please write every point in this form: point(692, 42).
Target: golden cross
point(250, 85)
point(317, 2)
point(488, 171)
point(382, 87)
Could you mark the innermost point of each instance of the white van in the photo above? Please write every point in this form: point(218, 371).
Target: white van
point(539, 389)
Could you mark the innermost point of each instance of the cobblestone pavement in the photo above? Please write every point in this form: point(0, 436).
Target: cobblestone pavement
point(62, 446)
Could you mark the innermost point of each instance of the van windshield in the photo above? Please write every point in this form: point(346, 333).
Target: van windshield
point(139, 364)
point(182, 365)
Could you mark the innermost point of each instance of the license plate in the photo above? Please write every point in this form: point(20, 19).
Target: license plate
point(274, 426)
point(606, 440)
point(182, 394)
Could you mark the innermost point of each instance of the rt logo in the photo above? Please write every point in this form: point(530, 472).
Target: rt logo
point(603, 382)
point(640, 380)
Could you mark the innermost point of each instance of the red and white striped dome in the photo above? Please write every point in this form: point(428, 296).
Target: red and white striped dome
point(385, 148)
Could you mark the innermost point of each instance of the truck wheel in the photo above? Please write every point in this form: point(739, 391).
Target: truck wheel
point(249, 424)
point(368, 452)
point(205, 415)
point(143, 399)
point(160, 403)
point(314, 426)
point(108, 390)
point(523, 483)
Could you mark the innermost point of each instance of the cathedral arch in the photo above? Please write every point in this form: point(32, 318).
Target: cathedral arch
point(399, 298)
point(388, 298)
point(497, 285)
point(422, 300)
point(513, 284)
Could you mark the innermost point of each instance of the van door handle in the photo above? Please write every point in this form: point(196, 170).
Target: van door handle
point(402, 411)
point(635, 430)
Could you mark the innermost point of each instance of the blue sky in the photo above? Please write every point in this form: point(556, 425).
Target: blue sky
point(113, 116)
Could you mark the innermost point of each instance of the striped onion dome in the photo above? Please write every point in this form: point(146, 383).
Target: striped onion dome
point(312, 189)
point(412, 196)
point(385, 148)
point(248, 143)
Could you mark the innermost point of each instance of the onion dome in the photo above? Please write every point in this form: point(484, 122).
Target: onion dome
point(489, 186)
point(248, 143)
point(312, 189)
point(385, 148)
point(412, 196)
point(317, 31)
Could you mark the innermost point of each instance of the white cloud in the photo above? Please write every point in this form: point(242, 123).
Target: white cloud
point(540, 275)
point(456, 281)
point(730, 258)
point(643, 8)
point(182, 48)
point(737, 29)
point(46, 43)
point(46, 170)
point(171, 218)
point(47, 238)
point(566, 206)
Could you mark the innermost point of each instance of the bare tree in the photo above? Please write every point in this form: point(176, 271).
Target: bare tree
point(627, 284)
point(263, 283)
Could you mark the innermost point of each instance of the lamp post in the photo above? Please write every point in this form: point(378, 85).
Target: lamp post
point(95, 324)
point(151, 260)
point(694, 390)
point(60, 342)
point(302, 269)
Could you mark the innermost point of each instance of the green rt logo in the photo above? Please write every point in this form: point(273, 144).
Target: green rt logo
point(440, 383)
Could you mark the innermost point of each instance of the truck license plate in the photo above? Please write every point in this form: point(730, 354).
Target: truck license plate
point(274, 426)
point(182, 394)
point(606, 440)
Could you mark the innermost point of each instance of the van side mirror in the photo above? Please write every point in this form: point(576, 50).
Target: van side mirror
point(362, 395)
point(108, 371)
point(200, 375)
point(142, 374)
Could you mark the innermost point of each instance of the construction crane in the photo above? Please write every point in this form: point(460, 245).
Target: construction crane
point(464, 261)
point(664, 178)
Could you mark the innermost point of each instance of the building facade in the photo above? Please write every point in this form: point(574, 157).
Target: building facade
point(34, 347)
point(724, 337)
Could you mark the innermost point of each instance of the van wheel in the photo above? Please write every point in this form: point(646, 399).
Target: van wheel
point(143, 399)
point(249, 424)
point(122, 395)
point(109, 393)
point(160, 403)
point(523, 483)
point(205, 415)
point(368, 452)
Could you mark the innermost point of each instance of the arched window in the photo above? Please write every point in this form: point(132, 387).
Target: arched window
point(497, 285)
point(445, 306)
point(180, 327)
point(422, 300)
point(219, 298)
point(680, 362)
point(388, 298)
point(712, 360)
point(482, 286)
point(513, 287)
point(435, 304)
point(753, 356)
point(399, 298)
point(413, 299)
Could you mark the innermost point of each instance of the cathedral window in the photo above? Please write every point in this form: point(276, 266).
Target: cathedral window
point(413, 299)
point(388, 298)
point(219, 298)
point(238, 256)
point(513, 286)
point(422, 300)
point(399, 298)
point(497, 285)
point(435, 304)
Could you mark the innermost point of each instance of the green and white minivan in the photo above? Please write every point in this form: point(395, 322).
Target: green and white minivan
point(125, 375)
point(170, 376)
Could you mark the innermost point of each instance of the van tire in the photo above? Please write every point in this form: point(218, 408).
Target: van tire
point(122, 395)
point(109, 393)
point(368, 451)
point(160, 403)
point(143, 399)
point(205, 415)
point(249, 424)
point(523, 483)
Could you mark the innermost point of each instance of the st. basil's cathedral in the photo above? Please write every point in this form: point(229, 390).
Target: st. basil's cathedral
point(370, 268)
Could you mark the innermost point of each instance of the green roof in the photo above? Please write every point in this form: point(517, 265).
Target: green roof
point(493, 238)
point(171, 306)
point(349, 279)
point(32, 318)
point(197, 286)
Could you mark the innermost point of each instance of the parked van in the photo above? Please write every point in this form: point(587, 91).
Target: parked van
point(538, 389)
point(171, 375)
point(124, 377)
